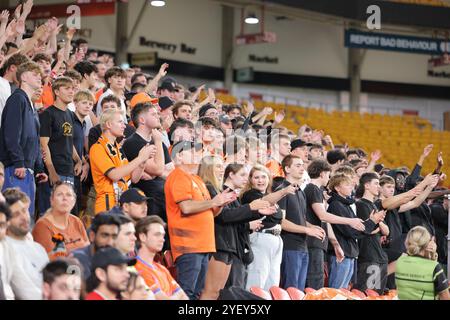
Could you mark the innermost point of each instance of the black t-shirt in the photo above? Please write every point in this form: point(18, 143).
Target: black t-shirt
point(440, 221)
point(421, 216)
point(314, 194)
point(370, 249)
point(78, 134)
point(154, 188)
point(295, 208)
point(269, 221)
point(58, 126)
point(394, 246)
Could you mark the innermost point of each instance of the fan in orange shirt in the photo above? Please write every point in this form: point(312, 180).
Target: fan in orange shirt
point(150, 233)
point(110, 169)
point(280, 147)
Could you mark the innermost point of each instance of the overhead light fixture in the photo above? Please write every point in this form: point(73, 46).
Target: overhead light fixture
point(158, 3)
point(251, 19)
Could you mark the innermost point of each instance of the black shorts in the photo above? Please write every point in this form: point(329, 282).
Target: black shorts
point(223, 256)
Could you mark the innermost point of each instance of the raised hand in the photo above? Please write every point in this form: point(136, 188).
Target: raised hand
point(4, 16)
point(11, 29)
point(267, 111)
point(279, 117)
point(20, 26)
point(70, 33)
point(17, 12)
point(376, 155)
point(163, 70)
point(27, 7)
point(427, 150)
point(440, 160)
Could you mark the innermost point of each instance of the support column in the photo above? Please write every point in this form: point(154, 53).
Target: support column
point(228, 45)
point(355, 60)
point(121, 32)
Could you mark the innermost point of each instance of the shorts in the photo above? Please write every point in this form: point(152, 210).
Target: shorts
point(223, 256)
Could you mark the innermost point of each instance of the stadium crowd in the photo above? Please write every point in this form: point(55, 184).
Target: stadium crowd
point(109, 174)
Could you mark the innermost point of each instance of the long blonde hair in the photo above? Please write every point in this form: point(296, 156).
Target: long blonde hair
point(255, 169)
point(206, 172)
point(417, 241)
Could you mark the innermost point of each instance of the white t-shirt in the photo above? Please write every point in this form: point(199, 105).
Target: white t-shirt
point(5, 92)
point(31, 256)
point(123, 106)
point(16, 282)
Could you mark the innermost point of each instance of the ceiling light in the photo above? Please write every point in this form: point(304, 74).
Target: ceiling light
point(158, 3)
point(251, 19)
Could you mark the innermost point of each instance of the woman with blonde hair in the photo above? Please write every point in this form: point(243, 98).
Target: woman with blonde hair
point(418, 275)
point(266, 243)
point(227, 220)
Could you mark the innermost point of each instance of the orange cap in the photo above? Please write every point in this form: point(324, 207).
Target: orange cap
point(141, 97)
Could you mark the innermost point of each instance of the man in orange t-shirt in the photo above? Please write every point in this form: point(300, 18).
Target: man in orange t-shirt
point(110, 169)
point(280, 147)
point(190, 215)
point(150, 233)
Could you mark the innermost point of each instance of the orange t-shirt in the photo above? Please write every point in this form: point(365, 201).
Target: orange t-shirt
point(157, 277)
point(75, 235)
point(193, 233)
point(104, 157)
point(46, 98)
point(275, 168)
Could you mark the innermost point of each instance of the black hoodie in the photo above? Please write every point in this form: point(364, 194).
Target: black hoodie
point(346, 235)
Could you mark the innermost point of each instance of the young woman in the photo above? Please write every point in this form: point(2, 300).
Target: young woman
point(420, 263)
point(266, 243)
point(226, 223)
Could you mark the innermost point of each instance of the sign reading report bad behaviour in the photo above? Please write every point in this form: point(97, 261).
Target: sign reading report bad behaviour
point(393, 42)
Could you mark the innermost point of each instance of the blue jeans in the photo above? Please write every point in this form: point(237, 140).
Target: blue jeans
point(340, 273)
point(294, 268)
point(44, 191)
point(26, 185)
point(191, 273)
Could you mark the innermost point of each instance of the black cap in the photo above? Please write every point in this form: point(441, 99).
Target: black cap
point(298, 143)
point(133, 195)
point(204, 109)
point(110, 256)
point(165, 102)
point(168, 84)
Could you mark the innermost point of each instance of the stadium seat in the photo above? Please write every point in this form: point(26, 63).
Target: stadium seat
point(371, 293)
point(279, 293)
point(295, 293)
point(359, 293)
point(261, 293)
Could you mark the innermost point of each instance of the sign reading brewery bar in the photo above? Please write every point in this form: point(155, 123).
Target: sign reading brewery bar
point(171, 47)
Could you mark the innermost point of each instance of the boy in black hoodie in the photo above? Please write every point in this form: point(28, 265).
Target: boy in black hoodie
point(339, 204)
